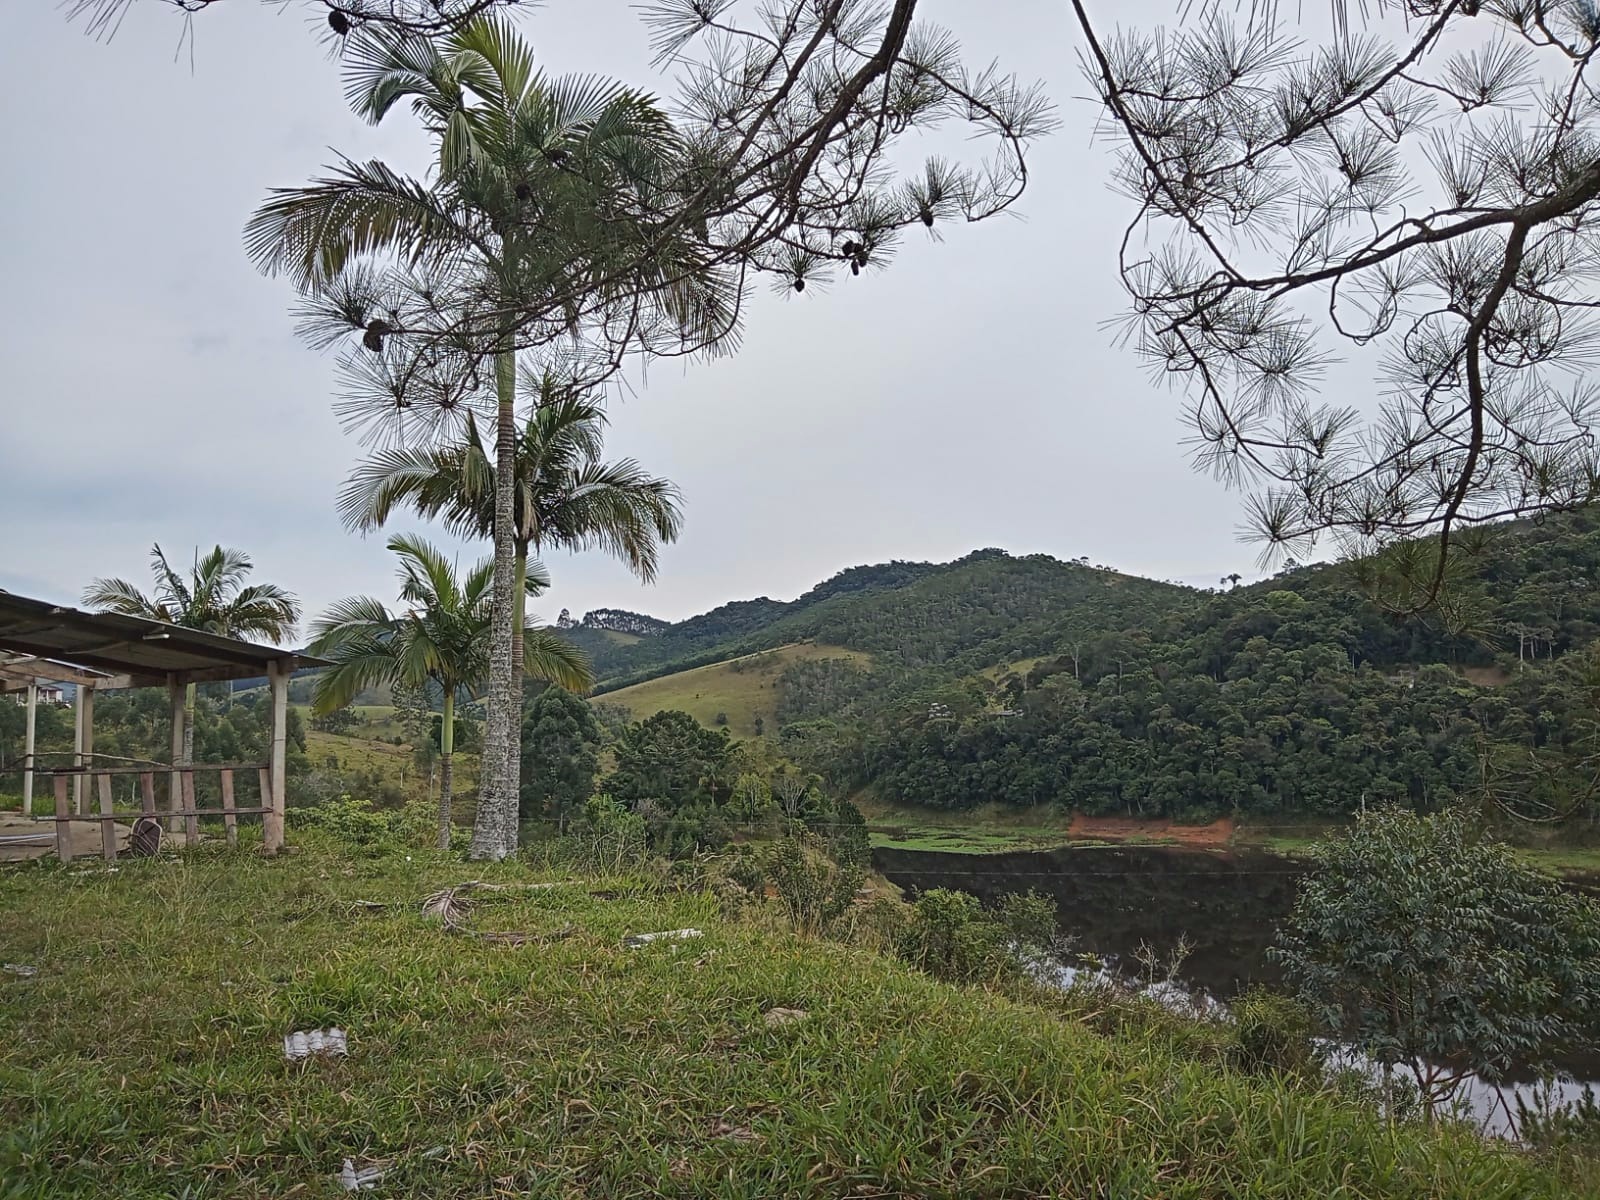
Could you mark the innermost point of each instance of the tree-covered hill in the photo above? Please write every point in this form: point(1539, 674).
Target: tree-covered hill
point(1030, 681)
point(956, 616)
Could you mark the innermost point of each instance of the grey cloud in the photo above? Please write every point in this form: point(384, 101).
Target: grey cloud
point(968, 397)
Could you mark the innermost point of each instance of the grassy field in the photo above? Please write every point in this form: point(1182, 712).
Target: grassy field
point(997, 829)
point(394, 764)
point(144, 1058)
point(1020, 668)
point(742, 688)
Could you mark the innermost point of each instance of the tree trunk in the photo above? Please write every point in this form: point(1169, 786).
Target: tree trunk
point(447, 747)
point(514, 746)
point(494, 831)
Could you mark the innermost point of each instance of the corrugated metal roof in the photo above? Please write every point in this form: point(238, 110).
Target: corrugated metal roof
point(148, 652)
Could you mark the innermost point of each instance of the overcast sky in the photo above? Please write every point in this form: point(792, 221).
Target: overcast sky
point(154, 391)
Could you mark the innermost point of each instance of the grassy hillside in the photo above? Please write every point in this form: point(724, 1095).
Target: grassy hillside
point(742, 688)
point(144, 1059)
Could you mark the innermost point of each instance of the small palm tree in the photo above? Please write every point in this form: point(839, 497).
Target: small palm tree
point(442, 637)
point(214, 598)
point(565, 496)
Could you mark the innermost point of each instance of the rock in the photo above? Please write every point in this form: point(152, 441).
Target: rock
point(775, 1018)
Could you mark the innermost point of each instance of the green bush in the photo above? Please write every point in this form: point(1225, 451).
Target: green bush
point(1573, 1127)
point(952, 936)
point(1423, 944)
point(346, 818)
point(814, 890)
point(1272, 1032)
point(689, 830)
point(608, 837)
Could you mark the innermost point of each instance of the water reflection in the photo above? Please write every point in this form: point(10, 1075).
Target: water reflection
point(1111, 900)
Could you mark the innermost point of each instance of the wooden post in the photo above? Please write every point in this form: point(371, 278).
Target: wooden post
point(174, 783)
point(191, 818)
point(108, 825)
point(147, 792)
point(272, 821)
point(27, 748)
point(229, 821)
point(63, 821)
point(79, 699)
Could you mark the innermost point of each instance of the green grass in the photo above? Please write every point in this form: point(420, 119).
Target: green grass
point(393, 764)
point(993, 828)
point(742, 692)
point(144, 1059)
point(956, 840)
point(1566, 859)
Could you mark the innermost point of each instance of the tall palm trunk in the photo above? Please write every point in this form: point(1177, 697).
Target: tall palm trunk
point(514, 746)
point(447, 748)
point(494, 830)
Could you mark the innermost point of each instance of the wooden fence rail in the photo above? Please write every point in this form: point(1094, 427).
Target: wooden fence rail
point(181, 802)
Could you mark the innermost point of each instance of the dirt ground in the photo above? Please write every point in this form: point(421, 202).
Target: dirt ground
point(1124, 829)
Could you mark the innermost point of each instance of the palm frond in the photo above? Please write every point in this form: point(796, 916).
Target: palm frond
point(120, 596)
point(175, 595)
point(426, 577)
point(311, 233)
point(537, 580)
point(547, 656)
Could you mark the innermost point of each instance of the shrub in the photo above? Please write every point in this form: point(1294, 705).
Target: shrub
point(814, 890)
point(1272, 1032)
point(346, 818)
point(689, 830)
point(1572, 1126)
point(952, 936)
point(1423, 944)
point(608, 837)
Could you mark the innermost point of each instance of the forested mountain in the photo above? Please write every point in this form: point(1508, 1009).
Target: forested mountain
point(1027, 680)
point(962, 615)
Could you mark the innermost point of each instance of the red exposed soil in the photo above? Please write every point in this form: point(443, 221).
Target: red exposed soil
point(1125, 829)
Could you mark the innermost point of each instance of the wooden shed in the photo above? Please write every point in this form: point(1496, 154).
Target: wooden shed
point(41, 642)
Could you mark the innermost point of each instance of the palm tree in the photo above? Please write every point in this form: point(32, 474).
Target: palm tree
point(565, 495)
point(442, 637)
point(215, 598)
point(544, 190)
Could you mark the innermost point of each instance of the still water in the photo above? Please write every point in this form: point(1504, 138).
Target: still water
point(1112, 900)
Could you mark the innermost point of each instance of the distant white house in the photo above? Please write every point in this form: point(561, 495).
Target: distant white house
point(49, 693)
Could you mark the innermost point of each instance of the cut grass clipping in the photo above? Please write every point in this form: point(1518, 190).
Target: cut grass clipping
point(145, 1057)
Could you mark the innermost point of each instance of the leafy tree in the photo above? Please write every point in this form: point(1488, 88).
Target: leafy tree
point(1426, 189)
point(751, 799)
point(441, 638)
point(668, 760)
point(214, 598)
point(1436, 951)
point(560, 737)
point(340, 720)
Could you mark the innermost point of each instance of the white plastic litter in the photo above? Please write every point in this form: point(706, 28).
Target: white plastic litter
point(22, 969)
point(669, 935)
point(302, 1044)
point(359, 1179)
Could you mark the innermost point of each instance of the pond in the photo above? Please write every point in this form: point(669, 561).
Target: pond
point(1113, 899)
